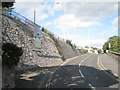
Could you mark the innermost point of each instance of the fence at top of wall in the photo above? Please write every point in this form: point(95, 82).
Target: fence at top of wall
point(36, 28)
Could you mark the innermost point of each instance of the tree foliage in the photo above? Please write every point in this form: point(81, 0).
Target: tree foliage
point(69, 42)
point(7, 4)
point(11, 54)
point(86, 47)
point(99, 51)
point(106, 46)
point(75, 46)
point(85, 51)
point(114, 43)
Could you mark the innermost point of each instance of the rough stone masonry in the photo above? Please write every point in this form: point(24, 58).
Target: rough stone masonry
point(22, 35)
point(17, 33)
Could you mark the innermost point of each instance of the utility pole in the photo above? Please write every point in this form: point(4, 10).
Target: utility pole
point(34, 15)
point(89, 40)
point(89, 36)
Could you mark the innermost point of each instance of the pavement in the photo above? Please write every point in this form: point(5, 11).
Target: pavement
point(83, 71)
point(109, 63)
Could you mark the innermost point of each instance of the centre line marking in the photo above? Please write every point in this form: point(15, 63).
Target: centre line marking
point(82, 74)
point(51, 75)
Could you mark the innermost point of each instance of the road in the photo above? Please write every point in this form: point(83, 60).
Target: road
point(0, 74)
point(83, 72)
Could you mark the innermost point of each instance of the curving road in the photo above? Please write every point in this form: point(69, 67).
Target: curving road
point(82, 72)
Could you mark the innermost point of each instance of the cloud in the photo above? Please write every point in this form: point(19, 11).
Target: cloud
point(91, 11)
point(92, 43)
point(59, 6)
point(114, 28)
point(81, 40)
point(115, 25)
point(69, 22)
point(81, 15)
point(115, 22)
point(77, 15)
point(48, 24)
point(40, 7)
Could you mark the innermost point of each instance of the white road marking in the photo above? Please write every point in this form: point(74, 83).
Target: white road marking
point(79, 64)
point(92, 86)
point(81, 72)
point(82, 61)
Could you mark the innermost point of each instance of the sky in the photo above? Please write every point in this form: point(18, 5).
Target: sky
point(86, 23)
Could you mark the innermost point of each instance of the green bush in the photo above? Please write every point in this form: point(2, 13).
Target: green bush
point(49, 33)
point(7, 4)
point(69, 42)
point(75, 46)
point(99, 51)
point(11, 54)
point(85, 51)
point(115, 44)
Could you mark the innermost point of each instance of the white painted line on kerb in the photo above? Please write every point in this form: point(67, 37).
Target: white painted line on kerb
point(81, 72)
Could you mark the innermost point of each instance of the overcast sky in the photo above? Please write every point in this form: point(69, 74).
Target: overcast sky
point(85, 23)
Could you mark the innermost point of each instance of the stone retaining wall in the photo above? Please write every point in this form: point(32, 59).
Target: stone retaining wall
point(66, 50)
point(48, 56)
point(22, 35)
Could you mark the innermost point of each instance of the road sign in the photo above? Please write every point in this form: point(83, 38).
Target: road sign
point(37, 38)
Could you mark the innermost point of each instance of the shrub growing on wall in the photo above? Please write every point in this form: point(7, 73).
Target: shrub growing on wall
point(11, 54)
point(69, 42)
point(7, 4)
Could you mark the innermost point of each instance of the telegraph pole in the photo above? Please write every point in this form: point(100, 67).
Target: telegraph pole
point(34, 15)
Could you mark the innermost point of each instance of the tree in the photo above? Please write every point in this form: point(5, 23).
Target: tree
point(114, 42)
point(106, 46)
point(42, 29)
point(99, 51)
point(75, 46)
point(69, 42)
point(85, 51)
point(7, 4)
point(86, 47)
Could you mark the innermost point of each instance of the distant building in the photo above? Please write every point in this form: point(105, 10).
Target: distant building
point(89, 50)
point(79, 47)
point(96, 52)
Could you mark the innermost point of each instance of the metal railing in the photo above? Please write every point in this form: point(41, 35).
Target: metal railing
point(25, 20)
point(18, 16)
